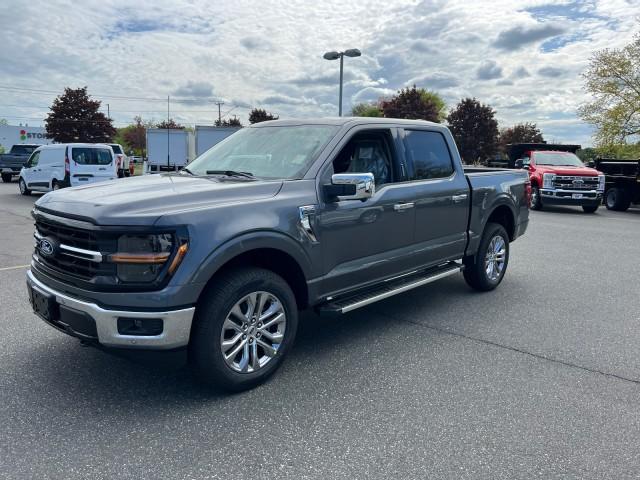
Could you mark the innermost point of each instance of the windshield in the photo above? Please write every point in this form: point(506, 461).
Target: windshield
point(558, 159)
point(23, 149)
point(116, 148)
point(266, 152)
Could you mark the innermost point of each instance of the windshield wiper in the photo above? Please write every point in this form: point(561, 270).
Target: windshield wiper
point(185, 169)
point(231, 173)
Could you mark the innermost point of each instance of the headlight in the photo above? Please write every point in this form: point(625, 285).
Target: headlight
point(601, 183)
point(547, 180)
point(141, 258)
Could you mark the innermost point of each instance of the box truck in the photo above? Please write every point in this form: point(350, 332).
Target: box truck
point(168, 149)
point(207, 137)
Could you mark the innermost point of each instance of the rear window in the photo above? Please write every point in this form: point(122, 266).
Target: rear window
point(91, 156)
point(23, 149)
point(116, 149)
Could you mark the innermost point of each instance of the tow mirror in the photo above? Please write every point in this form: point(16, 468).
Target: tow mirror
point(350, 186)
point(591, 164)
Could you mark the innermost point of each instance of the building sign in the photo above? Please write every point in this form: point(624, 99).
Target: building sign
point(11, 135)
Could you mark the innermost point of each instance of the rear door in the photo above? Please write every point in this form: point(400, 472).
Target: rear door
point(90, 164)
point(442, 196)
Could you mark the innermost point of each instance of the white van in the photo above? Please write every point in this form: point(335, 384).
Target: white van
point(55, 166)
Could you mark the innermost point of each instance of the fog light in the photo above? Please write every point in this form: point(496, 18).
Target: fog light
point(142, 327)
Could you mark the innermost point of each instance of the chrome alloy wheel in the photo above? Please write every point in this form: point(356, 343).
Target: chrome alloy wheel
point(253, 332)
point(495, 257)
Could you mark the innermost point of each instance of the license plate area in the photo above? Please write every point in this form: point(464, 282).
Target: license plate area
point(44, 305)
point(576, 196)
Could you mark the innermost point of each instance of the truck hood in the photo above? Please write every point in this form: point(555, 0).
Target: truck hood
point(577, 171)
point(143, 200)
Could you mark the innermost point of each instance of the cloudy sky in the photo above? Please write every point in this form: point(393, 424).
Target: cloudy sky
point(522, 57)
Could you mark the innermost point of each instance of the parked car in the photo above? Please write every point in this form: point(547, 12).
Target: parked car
point(12, 162)
point(331, 214)
point(622, 182)
point(122, 160)
point(558, 176)
point(55, 166)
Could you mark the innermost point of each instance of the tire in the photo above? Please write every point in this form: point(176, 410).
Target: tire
point(55, 185)
point(536, 200)
point(475, 271)
point(590, 208)
point(7, 177)
point(617, 199)
point(23, 187)
point(212, 327)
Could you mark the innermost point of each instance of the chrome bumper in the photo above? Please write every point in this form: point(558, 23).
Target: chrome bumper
point(176, 323)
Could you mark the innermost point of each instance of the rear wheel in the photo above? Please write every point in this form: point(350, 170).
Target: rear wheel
point(536, 201)
point(7, 177)
point(485, 270)
point(244, 325)
point(590, 208)
point(617, 199)
point(23, 187)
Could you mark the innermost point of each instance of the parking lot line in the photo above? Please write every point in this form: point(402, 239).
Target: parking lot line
point(13, 268)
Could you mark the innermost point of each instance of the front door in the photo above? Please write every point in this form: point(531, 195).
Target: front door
point(366, 241)
point(32, 172)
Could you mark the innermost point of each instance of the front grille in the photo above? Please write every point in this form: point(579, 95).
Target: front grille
point(570, 182)
point(70, 263)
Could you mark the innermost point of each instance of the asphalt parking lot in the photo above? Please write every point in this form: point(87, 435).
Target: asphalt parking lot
point(540, 378)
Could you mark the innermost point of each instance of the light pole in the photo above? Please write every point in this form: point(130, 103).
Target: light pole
point(352, 52)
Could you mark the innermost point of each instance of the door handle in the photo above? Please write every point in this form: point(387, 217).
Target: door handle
point(400, 207)
point(459, 198)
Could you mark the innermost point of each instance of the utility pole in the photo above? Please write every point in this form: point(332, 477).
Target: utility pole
point(168, 141)
point(219, 113)
point(108, 114)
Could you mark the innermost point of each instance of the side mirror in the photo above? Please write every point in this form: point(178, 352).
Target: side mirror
point(591, 164)
point(350, 186)
point(519, 163)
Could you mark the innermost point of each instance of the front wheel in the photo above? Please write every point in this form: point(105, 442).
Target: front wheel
point(589, 208)
point(23, 187)
point(7, 177)
point(485, 270)
point(243, 327)
point(536, 200)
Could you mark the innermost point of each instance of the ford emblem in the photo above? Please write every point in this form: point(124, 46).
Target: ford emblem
point(46, 247)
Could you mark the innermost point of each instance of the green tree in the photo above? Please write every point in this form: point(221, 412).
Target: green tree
point(232, 122)
point(134, 136)
point(258, 115)
point(623, 151)
point(414, 103)
point(520, 133)
point(366, 110)
point(475, 129)
point(74, 117)
point(613, 79)
point(170, 124)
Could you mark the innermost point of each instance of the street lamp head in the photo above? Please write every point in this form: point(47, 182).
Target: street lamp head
point(352, 52)
point(331, 56)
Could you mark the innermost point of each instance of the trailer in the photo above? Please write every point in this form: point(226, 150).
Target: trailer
point(622, 182)
point(207, 137)
point(167, 149)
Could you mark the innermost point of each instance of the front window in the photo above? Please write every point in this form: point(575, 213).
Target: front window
point(91, 156)
point(558, 159)
point(266, 152)
point(116, 149)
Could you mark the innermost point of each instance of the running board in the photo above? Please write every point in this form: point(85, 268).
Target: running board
point(388, 289)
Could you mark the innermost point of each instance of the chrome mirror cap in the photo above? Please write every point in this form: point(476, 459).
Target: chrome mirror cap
point(364, 183)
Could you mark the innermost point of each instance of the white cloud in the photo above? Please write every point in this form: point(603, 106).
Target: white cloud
point(524, 62)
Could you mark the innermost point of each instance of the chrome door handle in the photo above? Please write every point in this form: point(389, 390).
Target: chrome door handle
point(459, 198)
point(399, 207)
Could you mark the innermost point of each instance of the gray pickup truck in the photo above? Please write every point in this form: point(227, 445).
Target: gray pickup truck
point(11, 163)
point(329, 214)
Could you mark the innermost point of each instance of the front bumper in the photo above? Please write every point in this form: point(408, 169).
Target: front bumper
point(571, 197)
point(89, 321)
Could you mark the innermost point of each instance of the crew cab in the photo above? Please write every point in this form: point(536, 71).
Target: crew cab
point(282, 216)
point(558, 176)
point(11, 163)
